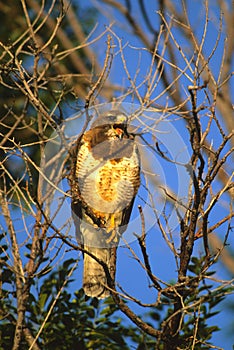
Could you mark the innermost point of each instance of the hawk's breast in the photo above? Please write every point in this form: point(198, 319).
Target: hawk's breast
point(108, 175)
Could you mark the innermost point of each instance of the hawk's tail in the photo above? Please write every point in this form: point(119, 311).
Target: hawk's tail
point(94, 278)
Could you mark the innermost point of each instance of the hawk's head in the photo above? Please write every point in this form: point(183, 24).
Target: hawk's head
point(113, 123)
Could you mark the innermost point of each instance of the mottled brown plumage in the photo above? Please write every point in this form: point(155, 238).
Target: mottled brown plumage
point(105, 180)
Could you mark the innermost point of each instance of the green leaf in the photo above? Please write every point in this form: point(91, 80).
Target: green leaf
point(42, 300)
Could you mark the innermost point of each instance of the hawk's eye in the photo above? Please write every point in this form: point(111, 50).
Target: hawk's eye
point(112, 117)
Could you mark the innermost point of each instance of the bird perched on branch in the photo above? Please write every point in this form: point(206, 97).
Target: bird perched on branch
point(105, 178)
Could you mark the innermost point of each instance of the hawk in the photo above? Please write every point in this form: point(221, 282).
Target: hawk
point(105, 180)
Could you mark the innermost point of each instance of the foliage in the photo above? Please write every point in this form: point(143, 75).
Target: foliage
point(75, 322)
point(78, 322)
